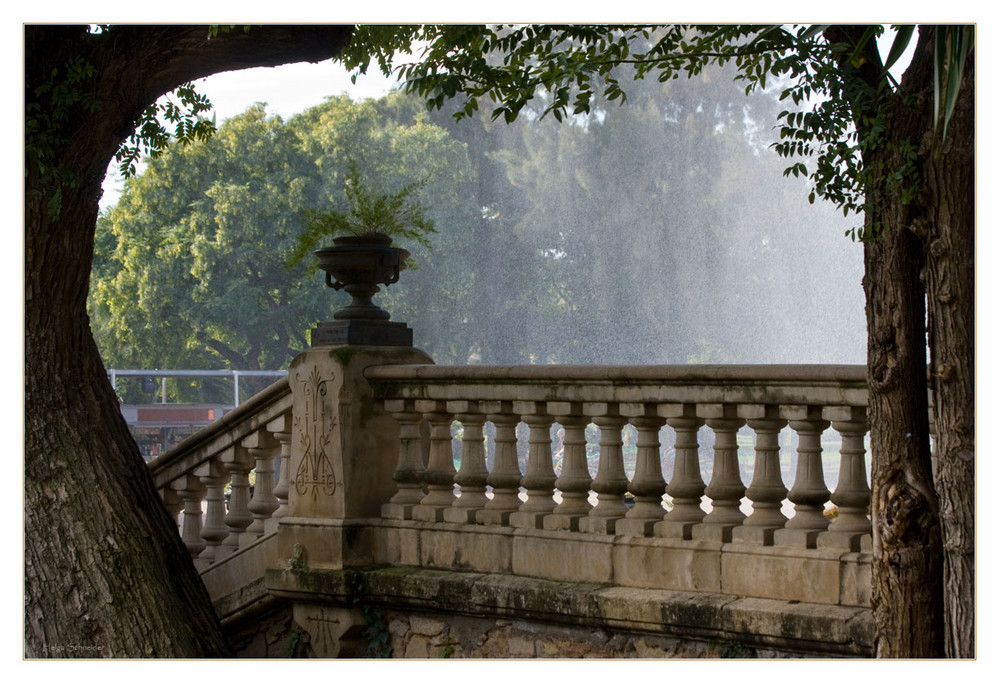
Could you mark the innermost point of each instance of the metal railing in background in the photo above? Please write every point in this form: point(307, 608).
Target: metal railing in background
point(115, 373)
point(157, 426)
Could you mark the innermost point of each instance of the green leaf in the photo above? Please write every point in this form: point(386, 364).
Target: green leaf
point(952, 47)
point(813, 30)
point(899, 45)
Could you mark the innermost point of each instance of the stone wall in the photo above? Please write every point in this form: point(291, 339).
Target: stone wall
point(423, 613)
point(270, 634)
point(437, 636)
point(276, 634)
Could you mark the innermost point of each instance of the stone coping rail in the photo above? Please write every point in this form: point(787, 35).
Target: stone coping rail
point(772, 384)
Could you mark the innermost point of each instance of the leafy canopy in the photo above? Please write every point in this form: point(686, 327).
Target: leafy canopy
point(512, 64)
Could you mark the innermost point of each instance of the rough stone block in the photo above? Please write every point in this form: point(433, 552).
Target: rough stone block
point(673, 530)
point(559, 521)
point(530, 520)
point(598, 525)
point(781, 573)
point(460, 516)
point(493, 517)
point(563, 556)
point(799, 539)
point(713, 533)
point(668, 564)
point(634, 527)
point(759, 536)
point(429, 513)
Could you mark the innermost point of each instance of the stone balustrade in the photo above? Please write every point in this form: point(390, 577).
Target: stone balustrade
point(228, 487)
point(598, 495)
point(744, 485)
point(683, 511)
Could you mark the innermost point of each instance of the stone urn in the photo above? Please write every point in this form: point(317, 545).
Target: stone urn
point(359, 265)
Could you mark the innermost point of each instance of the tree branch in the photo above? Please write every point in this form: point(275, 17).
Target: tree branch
point(235, 359)
point(135, 65)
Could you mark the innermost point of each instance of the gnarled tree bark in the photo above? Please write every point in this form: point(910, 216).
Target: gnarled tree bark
point(948, 232)
point(919, 279)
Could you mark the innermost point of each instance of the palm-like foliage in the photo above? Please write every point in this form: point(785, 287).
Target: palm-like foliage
point(370, 212)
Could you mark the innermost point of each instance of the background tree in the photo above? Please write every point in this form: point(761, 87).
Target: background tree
point(626, 237)
point(194, 275)
point(194, 272)
point(657, 252)
point(881, 150)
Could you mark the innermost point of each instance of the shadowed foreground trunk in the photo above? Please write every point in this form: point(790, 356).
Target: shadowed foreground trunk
point(951, 304)
point(923, 585)
point(106, 573)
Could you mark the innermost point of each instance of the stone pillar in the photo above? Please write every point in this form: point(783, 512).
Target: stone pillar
point(540, 477)
point(851, 527)
point(686, 485)
point(409, 471)
point(766, 490)
point(610, 482)
point(440, 472)
point(213, 476)
point(281, 428)
point(238, 464)
point(472, 473)
point(344, 450)
point(647, 484)
point(505, 477)
point(808, 492)
point(263, 447)
point(192, 492)
point(573, 482)
point(726, 488)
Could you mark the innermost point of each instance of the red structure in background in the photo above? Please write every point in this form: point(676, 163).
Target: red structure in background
point(159, 427)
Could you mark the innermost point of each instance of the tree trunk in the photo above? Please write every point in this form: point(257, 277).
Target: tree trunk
point(906, 553)
point(907, 568)
point(951, 290)
point(105, 571)
point(922, 508)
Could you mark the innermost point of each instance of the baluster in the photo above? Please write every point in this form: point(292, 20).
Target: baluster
point(808, 492)
point(440, 472)
point(191, 491)
point(540, 477)
point(726, 488)
point(647, 484)
point(409, 471)
point(574, 478)
point(472, 473)
point(853, 495)
point(172, 502)
point(281, 428)
point(766, 489)
point(214, 476)
point(506, 476)
point(262, 446)
point(686, 485)
point(238, 464)
point(610, 483)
